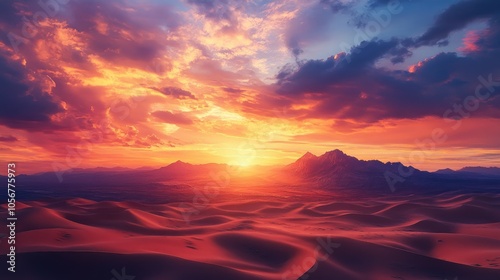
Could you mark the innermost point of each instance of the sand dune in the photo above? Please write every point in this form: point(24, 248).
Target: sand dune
point(442, 237)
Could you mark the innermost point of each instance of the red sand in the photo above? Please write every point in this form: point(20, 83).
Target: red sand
point(421, 238)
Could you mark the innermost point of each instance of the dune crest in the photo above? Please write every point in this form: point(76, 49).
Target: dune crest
point(425, 238)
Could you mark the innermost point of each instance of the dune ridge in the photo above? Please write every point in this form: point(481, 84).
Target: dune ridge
point(441, 237)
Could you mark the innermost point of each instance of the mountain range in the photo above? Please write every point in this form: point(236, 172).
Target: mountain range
point(473, 170)
point(333, 170)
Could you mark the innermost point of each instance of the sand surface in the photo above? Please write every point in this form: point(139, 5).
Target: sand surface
point(442, 237)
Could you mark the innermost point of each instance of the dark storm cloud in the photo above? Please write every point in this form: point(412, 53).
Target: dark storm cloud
point(318, 75)
point(9, 13)
point(352, 86)
point(440, 68)
point(489, 40)
point(400, 53)
point(359, 90)
point(23, 99)
point(457, 17)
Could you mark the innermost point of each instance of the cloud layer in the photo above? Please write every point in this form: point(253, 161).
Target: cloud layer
point(199, 77)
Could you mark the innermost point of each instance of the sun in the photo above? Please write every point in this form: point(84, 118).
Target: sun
point(240, 155)
point(241, 159)
point(242, 162)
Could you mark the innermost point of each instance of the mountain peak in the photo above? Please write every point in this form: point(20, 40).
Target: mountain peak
point(308, 156)
point(179, 163)
point(334, 154)
point(304, 161)
point(445, 171)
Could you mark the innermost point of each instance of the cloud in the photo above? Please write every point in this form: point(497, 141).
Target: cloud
point(131, 136)
point(377, 3)
point(469, 42)
point(314, 76)
point(232, 90)
point(67, 76)
point(222, 12)
point(8, 138)
point(174, 92)
point(457, 17)
point(205, 69)
point(99, 66)
point(356, 89)
point(25, 97)
point(214, 9)
point(311, 24)
point(169, 117)
point(125, 33)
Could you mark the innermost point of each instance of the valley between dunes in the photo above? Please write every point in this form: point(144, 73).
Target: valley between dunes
point(441, 237)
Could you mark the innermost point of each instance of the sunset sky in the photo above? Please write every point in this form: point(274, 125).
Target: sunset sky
point(145, 83)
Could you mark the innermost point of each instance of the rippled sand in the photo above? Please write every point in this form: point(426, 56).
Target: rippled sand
point(443, 237)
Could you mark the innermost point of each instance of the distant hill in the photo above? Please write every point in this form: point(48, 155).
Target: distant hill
point(332, 171)
point(482, 170)
point(445, 171)
point(478, 170)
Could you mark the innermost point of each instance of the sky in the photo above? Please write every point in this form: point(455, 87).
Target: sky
point(248, 82)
